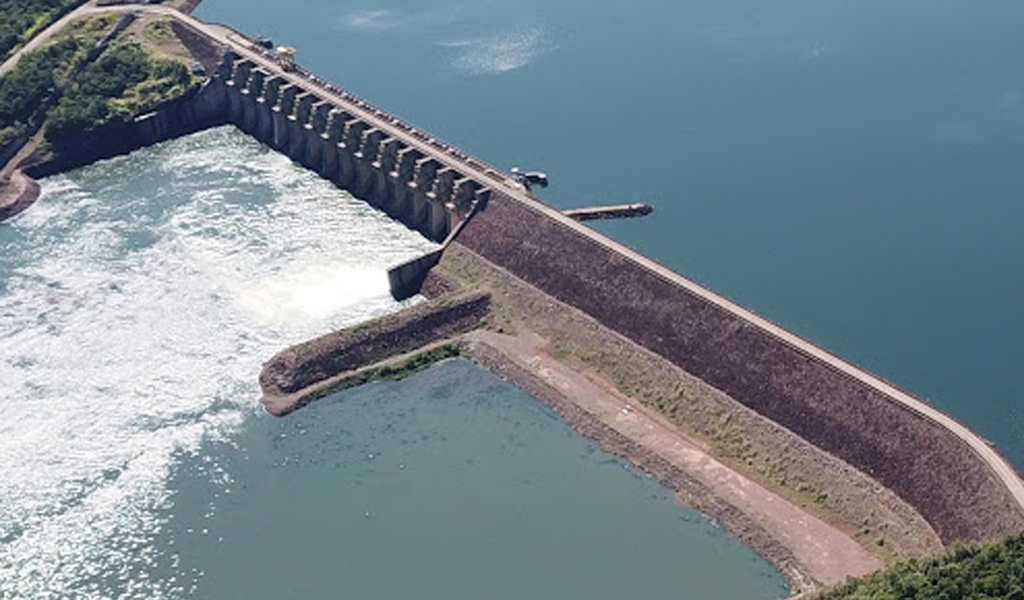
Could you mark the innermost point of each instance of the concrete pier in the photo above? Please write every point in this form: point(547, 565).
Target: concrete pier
point(618, 211)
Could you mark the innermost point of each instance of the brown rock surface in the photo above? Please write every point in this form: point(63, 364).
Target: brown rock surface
point(17, 194)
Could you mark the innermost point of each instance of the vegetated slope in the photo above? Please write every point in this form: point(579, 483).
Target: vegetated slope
point(25, 91)
point(979, 572)
point(923, 463)
point(126, 80)
point(21, 19)
point(29, 84)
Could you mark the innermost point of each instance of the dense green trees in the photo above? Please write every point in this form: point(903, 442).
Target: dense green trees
point(25, 88)
point(123, 82)
point(990, 571)
point(20, 19)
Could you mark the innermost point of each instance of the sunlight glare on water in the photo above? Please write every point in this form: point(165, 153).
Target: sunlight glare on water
point(138, 299)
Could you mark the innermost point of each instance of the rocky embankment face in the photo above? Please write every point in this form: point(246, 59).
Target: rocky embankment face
point(294, 373)
point(17, 194)
point(925, 464)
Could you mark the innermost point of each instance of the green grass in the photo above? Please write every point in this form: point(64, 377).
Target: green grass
point(414, 364)
point(159, 31)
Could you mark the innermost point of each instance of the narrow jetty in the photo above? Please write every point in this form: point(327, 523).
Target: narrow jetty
point(618, 211)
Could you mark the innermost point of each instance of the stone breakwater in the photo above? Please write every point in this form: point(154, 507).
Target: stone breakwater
point(297, 374)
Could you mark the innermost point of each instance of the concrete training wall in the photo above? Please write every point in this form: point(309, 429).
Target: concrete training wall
point(926, 465)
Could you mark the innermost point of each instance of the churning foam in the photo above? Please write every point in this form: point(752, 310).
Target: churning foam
point(138, 299)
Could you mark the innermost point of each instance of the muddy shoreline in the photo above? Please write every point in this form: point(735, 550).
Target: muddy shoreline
point(693, 492)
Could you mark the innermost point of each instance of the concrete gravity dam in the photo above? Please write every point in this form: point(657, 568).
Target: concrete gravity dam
point(955, 480)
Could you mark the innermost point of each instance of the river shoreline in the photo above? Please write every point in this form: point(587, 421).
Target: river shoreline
point(503, 362)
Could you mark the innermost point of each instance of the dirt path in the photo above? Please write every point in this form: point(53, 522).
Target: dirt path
point(821, 551)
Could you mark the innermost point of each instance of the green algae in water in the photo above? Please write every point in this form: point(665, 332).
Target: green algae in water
point(449, 484)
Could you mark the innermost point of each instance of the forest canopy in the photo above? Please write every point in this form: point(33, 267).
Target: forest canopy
point(990, 571)
point(125, 81)
point(21, 19)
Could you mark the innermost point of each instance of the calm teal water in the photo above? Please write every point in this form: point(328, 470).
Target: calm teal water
point(450, 484)
point(849, 169)
point(138, 299)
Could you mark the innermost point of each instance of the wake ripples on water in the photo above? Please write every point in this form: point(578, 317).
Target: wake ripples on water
point(138, 299)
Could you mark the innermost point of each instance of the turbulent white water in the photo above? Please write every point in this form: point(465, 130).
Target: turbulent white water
point(138, 299)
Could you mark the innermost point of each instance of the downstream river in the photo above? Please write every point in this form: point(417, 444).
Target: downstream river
point(138, 299)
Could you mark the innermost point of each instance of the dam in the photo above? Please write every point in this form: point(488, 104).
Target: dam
point(962, 487)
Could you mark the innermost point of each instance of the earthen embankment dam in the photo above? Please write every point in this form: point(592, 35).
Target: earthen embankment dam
point(953, 478)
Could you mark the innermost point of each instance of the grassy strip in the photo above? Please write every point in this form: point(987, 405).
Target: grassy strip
point(396, 370)
point(990, 571)
point(404, 368)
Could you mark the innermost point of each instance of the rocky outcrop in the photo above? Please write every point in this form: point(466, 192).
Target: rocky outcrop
point(17, 194)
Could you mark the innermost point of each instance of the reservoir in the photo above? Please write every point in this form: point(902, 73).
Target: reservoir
point(139, 297)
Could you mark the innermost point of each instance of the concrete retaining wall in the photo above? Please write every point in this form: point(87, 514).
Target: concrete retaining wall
point(304, 365)
point(197, 110)
point(407, 278)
